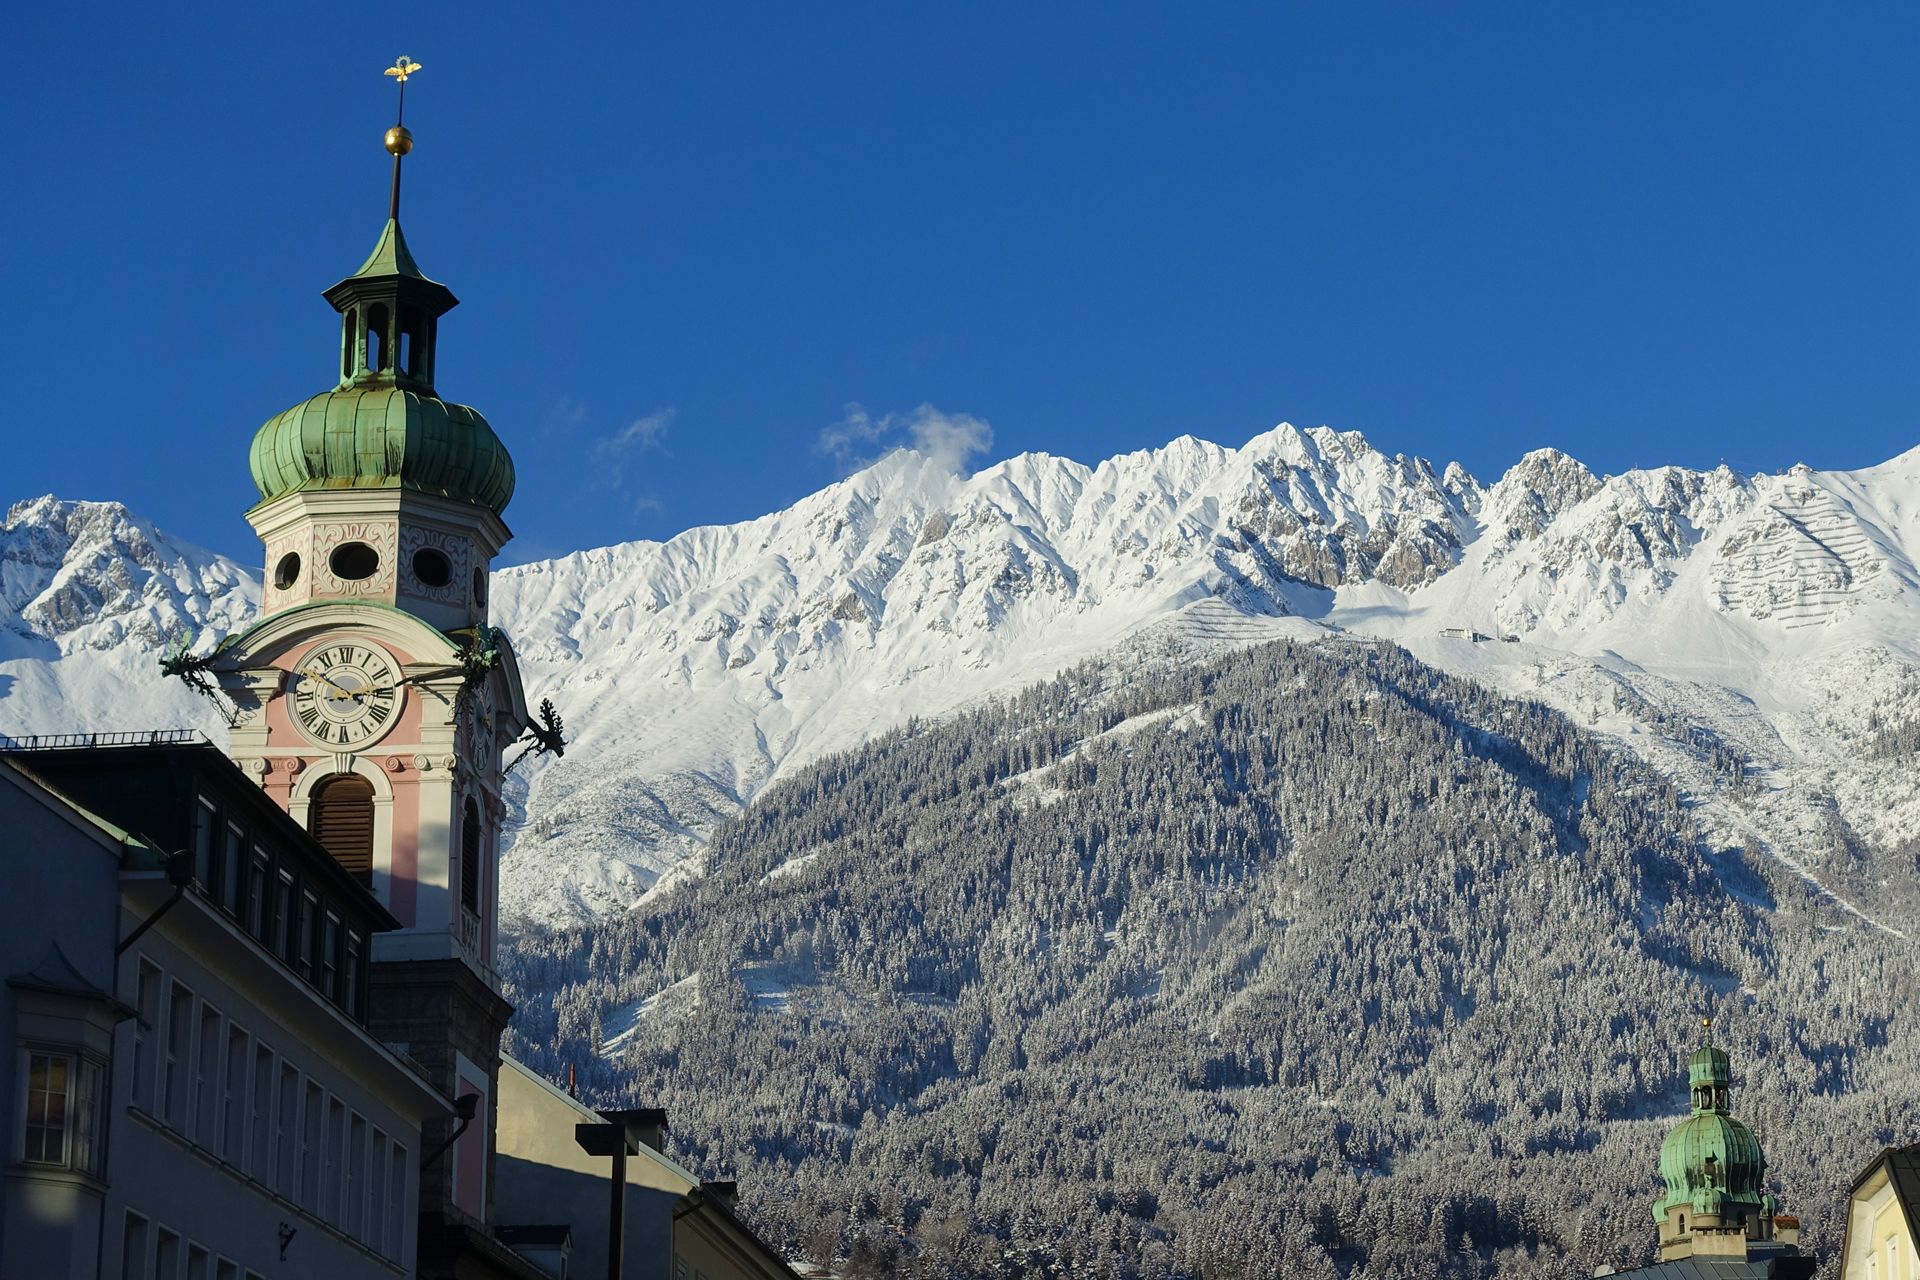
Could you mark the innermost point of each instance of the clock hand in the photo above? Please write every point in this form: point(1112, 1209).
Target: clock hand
point(345, 693)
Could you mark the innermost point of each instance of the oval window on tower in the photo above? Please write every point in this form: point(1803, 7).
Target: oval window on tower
point(354, 561)
point(432, 567)
point(287, 572)
point(480, 586)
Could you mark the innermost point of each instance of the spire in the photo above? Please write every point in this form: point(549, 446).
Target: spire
point(399, 141)
point(390, 308)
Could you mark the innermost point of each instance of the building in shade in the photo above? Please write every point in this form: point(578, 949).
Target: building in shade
point(187, 998)
point(675, 1226)
point(1883, 1208)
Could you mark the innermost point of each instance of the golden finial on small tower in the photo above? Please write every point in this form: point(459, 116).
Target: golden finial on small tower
point(399, 142)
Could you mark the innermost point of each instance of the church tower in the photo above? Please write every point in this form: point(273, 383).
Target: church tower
point(374, 699)
point(1716, 1203)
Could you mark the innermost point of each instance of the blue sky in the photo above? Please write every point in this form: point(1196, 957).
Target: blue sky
point(687, 239)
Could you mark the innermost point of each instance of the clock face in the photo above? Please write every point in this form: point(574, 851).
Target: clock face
point(346, 694)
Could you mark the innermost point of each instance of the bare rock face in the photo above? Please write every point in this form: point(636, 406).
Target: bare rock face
point(93, 575)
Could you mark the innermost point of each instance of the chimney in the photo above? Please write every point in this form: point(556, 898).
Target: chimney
point(573, 1082)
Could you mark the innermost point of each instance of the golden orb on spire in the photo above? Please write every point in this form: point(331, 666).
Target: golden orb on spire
point(399, 141)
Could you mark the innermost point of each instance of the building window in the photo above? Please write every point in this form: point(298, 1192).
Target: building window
point(286, 1134)
point(282, 914)
point(377, 1193)
point(341, 819)
point(333, 1150)
point(146, 1028)
point(397, 1207)
point(133, 1248)
point(259, 878)
point(63, 1099)
point(206, 846)
point(353, 1194)
point(166, 1255)
point(376, 338)
point(310, 1150)
point(206, 1080)
point(287, 572)
point(303, 956)
point(354, 562)
point(234, 1122)
point(350, 974)
point(432, 568)
point(234, 869)
point(470, 856)
point(330, 957)
point(262, 1167)
point(173, 1072)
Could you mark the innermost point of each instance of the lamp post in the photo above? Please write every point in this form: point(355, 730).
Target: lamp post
point(620, 1136)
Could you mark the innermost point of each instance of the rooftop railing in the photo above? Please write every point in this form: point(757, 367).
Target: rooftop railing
point(118, 738)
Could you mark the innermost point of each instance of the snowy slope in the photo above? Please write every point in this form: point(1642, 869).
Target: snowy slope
point(89, 593)
point(1777, 615)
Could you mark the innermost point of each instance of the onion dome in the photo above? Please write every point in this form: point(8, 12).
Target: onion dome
point(1712, 1161)
point(383, 427)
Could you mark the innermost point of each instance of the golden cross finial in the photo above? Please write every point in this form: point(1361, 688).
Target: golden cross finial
point(398, 140)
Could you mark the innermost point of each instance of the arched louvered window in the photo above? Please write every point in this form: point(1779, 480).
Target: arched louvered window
point(470, 856)
point(341, 819)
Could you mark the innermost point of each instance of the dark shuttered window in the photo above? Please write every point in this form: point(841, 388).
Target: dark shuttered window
point(341, 819)
point(470, 856)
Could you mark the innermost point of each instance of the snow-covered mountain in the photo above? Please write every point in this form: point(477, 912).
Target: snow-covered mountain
point(89, 594)
point(1702, 617)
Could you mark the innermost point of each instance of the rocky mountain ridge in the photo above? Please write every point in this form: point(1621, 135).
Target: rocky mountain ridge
point(696, 670)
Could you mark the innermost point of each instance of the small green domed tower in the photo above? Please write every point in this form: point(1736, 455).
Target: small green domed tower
point(1716, 1200)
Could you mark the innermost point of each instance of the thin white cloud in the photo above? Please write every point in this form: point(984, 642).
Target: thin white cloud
point(951, 439)
point(859, 439)
point(612, 453)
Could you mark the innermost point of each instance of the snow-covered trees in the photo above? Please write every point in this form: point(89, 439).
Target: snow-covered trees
point(1311, 961)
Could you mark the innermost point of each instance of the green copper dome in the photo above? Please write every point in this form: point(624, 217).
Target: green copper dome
point(384, 426)
point(375, 435)
point(1711, 1161)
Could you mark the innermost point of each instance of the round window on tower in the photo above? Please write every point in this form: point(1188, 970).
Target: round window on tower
point(287, 572)
point(480, 586)
point(354, 561)
point(432, 567)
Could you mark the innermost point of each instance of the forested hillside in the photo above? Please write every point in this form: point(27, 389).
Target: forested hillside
point(1312, 961)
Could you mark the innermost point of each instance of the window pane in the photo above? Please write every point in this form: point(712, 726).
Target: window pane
point(133, 1249)
point(86, 1110)
point(261, 1166)
point(173, 1091)
point(258, 877)
point(47, 1076)
point(206, 847)
point(234, 1121)
point(145, 1028)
